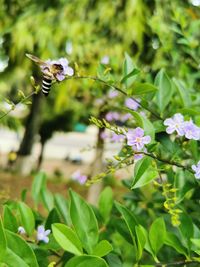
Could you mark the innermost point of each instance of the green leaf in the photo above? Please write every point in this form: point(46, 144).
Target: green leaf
point(106, 203)
point(11, 259)
point(144, 123)
point(141, 89)
point(134, 72)
point(113, 260)
point(53, 217)
point(37, 185)
point(184, 94)
point(128, 68)
point(84, 221)
point(9, 220)
point(27, 218)
point(157, 234)
point(141, 240)
point(186, 228)
point(83, 261)
point(3, 242)
point(67, 238)
point(144, 173)
point(47, 199)
point(130, 220)
point(172, 241)
point(18, 246)
point(164, 95)
point(102, 248)
point(62, 206)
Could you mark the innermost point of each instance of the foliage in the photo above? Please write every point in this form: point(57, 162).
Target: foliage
point(157, 221)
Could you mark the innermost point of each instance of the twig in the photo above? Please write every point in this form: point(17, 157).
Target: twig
point(15, 105)
point(94, 78)
point(176, 263)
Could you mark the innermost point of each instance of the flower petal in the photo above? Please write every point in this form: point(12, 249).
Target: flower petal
point(69, 71)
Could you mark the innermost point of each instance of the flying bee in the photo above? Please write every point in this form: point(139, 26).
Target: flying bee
point(51, 71)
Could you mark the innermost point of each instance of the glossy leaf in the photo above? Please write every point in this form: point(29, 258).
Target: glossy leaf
point(102, 248)
point(18, 246)
point(128, 69)
point(3, 242)
point(173, 241)
point(63, 207)
point(27, 218)
point(37, 185)
point(9, 220)
point(84, 221)
point(164, 95)
point(141, 240)
point(130, 220)
point(67, 238)
point(106, 203)
point(141, 89)
point(183, 92)
point(89, 261)
point(157, 234)
point(144, 173)
point(47, 199)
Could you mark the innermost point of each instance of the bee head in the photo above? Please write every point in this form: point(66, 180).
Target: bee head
point(58, 67)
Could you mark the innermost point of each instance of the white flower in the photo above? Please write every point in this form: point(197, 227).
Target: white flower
point(21, 230)
point(42, 235)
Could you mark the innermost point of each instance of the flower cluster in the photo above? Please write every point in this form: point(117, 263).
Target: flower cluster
point(115, 116)
point(114, 138)
point(77, 176)
point(137, 140)
point(66, 69)
point(181, 127)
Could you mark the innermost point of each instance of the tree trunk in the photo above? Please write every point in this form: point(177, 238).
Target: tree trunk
point(24, 163)
point(40, 159)
point(96, 167)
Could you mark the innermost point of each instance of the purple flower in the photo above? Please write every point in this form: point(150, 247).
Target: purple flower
point(103, 135)
point(117, 137)
point(112, 94)
point(105, 60)
point(136, 139)
point(60, 76)
point(132, 104)
point(77, 176)
point(42, 235)
point(110, 116)
point(196, 169)
point(126, 117)
point(176, 123)
point(191, 131)
point(21, 230)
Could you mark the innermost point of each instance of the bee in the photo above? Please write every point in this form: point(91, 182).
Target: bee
point(49, 71)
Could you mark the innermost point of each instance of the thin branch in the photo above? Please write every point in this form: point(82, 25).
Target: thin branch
point(94, 78)
point(15, 105)
point(173, 163)
point(176, 263)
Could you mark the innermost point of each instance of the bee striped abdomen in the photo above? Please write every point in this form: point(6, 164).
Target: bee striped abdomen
point(46, 85)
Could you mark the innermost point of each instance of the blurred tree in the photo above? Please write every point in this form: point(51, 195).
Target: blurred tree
point(61, 122)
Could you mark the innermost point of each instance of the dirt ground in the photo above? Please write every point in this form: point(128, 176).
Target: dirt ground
point(58, 173)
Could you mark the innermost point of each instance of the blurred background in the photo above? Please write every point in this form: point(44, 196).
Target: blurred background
point(54, 133)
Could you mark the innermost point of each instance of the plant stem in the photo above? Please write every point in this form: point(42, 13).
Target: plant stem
point(20, 102)
point(94, 78)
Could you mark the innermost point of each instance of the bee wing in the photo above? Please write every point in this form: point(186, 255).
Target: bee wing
point(36, 59)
